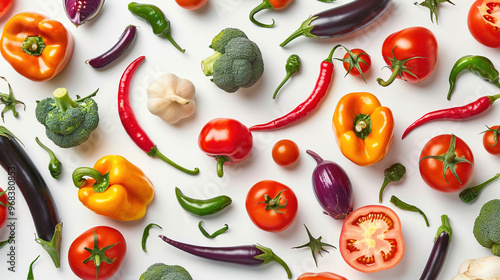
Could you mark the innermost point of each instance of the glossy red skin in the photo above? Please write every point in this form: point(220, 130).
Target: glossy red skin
point(106, 236)
point(5, 6)
point(431, 170)
point(392, 235)
point(320, 276)
point(413, 42)
point(491, 145)
point(364, 66)
point(269, 220)
point(3, 209)
point(285, 152)
point(191, 4)
point(485, 32)
point(226, 137)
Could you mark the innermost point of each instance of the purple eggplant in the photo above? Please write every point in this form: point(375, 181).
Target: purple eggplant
point(80, 11)
point(245, 254)
point(332, 188)
point(121, 47)
point(341, 20)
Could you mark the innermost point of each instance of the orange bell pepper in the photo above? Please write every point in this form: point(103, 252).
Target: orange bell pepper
point(364, 129)
point(117, 189)
point(320, 276)
point(37, 47)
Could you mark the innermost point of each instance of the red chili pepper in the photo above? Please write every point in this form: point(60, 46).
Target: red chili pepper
point(307, 107)
point(227, 140)
point(454, 113)
point(130, 123)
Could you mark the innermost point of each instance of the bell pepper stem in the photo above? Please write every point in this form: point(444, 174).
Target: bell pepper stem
point(33, 45)
point(101, 180)
point(53, 247)
point(220, 164)
point(154, 152)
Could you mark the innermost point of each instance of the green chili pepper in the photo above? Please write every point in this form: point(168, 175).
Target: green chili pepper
point(55, 166)
point(202, 207)
point(392, 173)
point(145, 235)
point(405, 206)
point(213, 235)
point(479, 65)
point(292, 66)
point(472, 193)
point(155, 18)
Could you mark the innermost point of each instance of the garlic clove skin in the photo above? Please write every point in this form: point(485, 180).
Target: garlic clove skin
point(486, 268)
point(171, 98)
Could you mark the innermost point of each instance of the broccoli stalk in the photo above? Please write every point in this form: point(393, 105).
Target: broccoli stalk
point(63, 101)
point(487, 226)
point(207, 64)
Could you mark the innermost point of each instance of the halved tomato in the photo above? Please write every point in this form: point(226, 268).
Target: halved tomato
point(371, 239)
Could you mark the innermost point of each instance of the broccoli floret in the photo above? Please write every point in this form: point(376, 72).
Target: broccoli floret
point(67, 122)
point(161, 271)
point(487, 226)
point(237, 61)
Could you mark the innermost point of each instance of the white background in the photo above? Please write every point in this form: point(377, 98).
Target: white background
point(193, 30)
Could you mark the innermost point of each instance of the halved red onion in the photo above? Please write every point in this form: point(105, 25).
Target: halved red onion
point(80, 11)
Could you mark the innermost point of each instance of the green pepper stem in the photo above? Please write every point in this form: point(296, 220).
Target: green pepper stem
point(154, 152)
point(266, 4)
point(169, 37)
point(268, 256)
point(384, 184)
point(287, 77)
point(53, 247)
point(101, 181)
point(493, 98)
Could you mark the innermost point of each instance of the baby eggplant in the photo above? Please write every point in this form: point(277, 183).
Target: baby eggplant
point(332, 188)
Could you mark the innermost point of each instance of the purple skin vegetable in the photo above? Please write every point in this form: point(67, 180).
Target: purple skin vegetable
point(245, 254)
point(80, 11)
point(341, 20)
point(121, 47)
point(332, 188)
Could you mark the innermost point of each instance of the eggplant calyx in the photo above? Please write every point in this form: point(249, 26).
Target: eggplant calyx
point(53, 247)
point(304, 30)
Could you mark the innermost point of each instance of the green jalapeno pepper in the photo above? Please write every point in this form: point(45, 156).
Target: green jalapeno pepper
point(202, 207)
point(55, 166)
point(479, 65)
point(292, 66)
point(155, 18)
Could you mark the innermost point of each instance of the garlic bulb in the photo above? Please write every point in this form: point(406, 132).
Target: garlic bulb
point(171, 98)
point(486, 268)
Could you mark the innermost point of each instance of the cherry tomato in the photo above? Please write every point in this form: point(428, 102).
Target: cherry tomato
point(483, 21)
point(95, 238)
point(418, 46)
point(285, 152)
point(191, 4)
point(441, 155)
point(320, 276)
point(371, 239)
point(356, 61)
point(5, 6)
point(490, 140)
point(272, 206)
point(4, 202)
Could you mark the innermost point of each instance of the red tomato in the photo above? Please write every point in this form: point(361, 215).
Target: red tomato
point(5, 6)
point(418, 46)
point(285, 152)
point(371, 239)
point(484, 22)
point(191, 4)
point(4, 202)
point(356, 61)
point(490, 140)
point(440, 150)
point(106, 236)
point(271, 206)
point(320, 276)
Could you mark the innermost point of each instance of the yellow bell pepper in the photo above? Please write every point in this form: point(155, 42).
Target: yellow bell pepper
point(364, 129)
point(117, 188)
